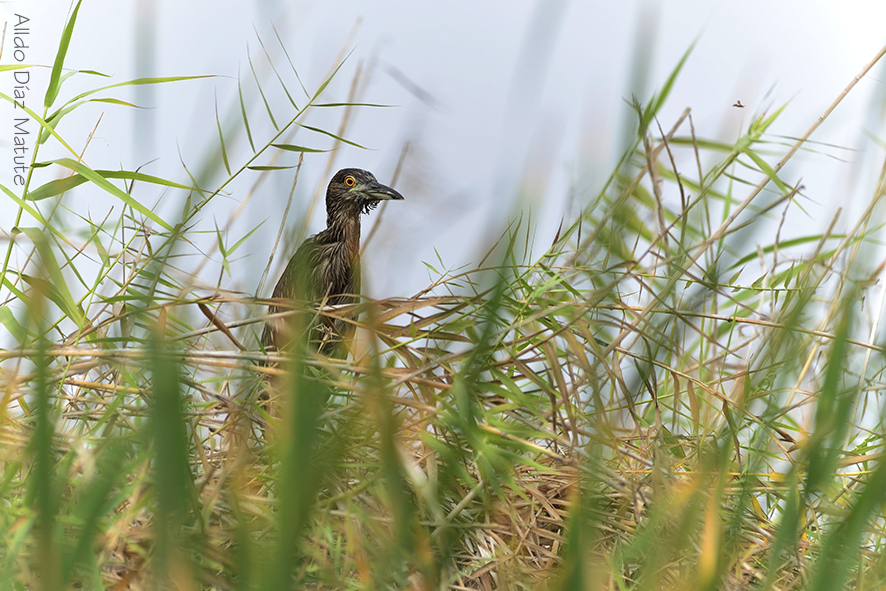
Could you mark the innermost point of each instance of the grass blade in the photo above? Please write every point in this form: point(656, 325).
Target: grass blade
point(54, 82)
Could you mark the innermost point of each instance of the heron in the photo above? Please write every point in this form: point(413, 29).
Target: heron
point(326, 267)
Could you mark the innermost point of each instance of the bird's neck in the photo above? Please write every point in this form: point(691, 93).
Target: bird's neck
point(344, 226)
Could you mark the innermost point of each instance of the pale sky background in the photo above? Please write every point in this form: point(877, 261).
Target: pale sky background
point(492, 95)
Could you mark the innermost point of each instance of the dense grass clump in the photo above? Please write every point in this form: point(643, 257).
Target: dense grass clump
point(654, 402)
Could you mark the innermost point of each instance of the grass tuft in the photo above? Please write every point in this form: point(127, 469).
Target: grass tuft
point(654, 402)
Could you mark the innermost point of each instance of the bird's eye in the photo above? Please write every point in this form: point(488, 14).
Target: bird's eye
point(349, 181)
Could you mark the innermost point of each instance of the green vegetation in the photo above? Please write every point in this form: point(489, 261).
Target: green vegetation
point(654, 403)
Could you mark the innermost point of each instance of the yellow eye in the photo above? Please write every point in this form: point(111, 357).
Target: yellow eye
point(349, 181)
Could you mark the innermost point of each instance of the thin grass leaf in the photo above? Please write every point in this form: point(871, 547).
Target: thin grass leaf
point(59, 186)
point(240, 242)
point(168, 439)
point(267, 168)
point(113, 101)
point(768, 171)
point(11, 67)
point(243, 113)
point(274, 68)
point(29, 208)
point(351, 105)
point(293, 148)
point(221, 138)
point(842, 548)
point(291, 65)
point(43, 124)
point(658, 101)
point(332, 135)
point(54, 78)
point(326, 82)
point(769, 249)
point(139, 82)
point(102, 182)
point(261, 92)
point(94, 73)
point(16, 330)
point(54, 286)
point(94, 503)
point(299, 472)
point(834, 405)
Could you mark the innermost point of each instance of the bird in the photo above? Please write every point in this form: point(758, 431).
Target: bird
point(325, 269)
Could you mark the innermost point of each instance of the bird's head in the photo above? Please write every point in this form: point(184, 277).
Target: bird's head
point(357, 189)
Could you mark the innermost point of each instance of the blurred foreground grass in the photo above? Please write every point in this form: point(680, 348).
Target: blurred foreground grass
point(654, 403)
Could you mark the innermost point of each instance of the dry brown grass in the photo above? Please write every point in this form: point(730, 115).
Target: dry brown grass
point(652, 404)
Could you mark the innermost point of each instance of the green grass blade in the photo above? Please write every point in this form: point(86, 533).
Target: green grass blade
point(221, 139)
point(8, 319)
point(262, 94)
point(168, 437)
point(11, 67)
point(659, 100)
point(326, 82)
point(243, 113)
point(332, 135)
point(54, 78)
point(300, 473)
point(139, 82)
point(59, 186)
point(42, 487)
point(54, 285)
point(262, 168)
point(43, 124)
point(274, 68)
point(103, 183)
point(289, 59)
point(293, 148)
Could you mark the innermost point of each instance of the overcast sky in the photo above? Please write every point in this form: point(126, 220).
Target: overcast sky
point(492, 96)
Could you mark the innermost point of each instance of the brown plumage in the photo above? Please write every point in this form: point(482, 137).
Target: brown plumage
point(326, 267)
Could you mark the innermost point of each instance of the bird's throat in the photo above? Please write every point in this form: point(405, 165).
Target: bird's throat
point(345, 229)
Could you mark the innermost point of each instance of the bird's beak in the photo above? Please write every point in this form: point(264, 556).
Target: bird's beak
point(376, 190)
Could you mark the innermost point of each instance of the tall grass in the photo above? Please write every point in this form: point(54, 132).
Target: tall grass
point(655, 402)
